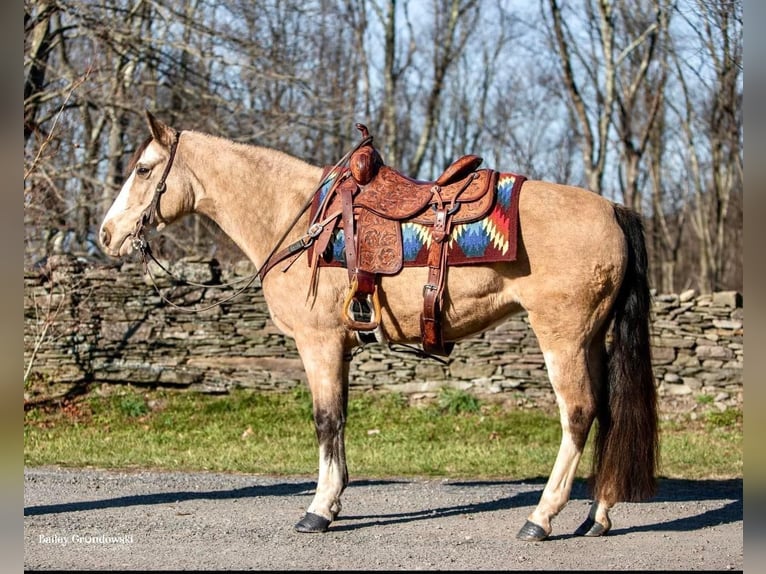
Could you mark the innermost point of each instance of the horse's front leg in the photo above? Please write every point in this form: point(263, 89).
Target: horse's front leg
point(327, 374)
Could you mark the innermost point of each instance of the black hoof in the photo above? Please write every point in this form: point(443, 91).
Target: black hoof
point(531, 532)
point(591, 528)
point(312, 523)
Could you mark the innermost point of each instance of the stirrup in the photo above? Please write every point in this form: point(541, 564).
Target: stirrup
point(350, 319)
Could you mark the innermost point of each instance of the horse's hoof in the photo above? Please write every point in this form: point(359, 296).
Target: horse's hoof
point(312, 523)
point(531, 532)
point(591, 528)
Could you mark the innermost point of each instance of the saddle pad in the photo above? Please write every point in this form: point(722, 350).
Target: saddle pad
point(489, 240)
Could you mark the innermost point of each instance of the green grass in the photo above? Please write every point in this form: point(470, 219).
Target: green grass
point(456, 436)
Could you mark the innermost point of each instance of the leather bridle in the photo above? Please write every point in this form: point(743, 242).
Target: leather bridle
point(151, 213)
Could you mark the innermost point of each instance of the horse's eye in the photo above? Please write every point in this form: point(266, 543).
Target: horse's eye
point(142, 170)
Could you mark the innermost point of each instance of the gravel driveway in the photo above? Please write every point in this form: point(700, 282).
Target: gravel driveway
point(93, 519)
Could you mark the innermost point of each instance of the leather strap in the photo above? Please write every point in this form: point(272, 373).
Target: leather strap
point(362, 282)
point(346, 192)
point(151, 213)
point(295, 249)
point(365, 280)
point(433, 290)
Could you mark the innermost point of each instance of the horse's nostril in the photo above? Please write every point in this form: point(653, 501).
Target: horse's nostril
point(106, 237)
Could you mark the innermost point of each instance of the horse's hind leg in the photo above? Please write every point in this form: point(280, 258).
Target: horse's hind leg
point(568, 370)
point(598, 522)
point(327, 374)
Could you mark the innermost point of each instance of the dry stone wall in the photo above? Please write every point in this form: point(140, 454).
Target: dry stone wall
point(88, 323)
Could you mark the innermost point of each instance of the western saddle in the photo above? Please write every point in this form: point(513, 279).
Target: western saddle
point(372, 201)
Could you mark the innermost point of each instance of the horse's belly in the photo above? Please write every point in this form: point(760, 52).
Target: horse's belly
point(475, 298)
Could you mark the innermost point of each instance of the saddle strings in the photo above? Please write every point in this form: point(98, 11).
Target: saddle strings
point(146, 253)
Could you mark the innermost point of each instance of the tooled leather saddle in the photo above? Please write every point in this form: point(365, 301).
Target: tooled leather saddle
point(374, 202)
point(368, 204)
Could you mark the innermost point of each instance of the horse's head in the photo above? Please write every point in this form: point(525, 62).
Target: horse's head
point(154, 193)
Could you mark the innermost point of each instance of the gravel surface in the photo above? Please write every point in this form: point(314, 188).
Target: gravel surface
point(93, 519)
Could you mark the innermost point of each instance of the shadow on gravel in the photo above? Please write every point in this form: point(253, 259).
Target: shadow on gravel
point(284, 489)
point(670, 491)
point(680, 490)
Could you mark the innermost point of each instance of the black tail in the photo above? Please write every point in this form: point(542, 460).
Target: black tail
point(626, 457)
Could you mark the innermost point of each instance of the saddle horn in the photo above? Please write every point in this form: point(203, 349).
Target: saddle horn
point(365, 161)
point(365, 132)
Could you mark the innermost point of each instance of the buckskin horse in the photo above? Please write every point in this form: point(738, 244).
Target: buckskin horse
point(579, 271)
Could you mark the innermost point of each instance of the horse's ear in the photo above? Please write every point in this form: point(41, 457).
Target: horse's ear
point(160, 131)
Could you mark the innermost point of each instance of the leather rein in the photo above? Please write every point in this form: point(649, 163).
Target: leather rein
point(151, 215)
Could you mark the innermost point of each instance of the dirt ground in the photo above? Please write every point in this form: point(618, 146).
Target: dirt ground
point(93, 519)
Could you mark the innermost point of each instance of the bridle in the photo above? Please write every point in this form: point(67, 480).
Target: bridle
point(151, 215)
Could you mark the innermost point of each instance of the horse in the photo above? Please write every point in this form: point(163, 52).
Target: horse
point(580, 274)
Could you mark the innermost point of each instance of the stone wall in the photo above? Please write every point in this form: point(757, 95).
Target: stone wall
point(88, 324)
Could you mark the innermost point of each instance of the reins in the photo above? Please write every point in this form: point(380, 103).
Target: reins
point(151, 214)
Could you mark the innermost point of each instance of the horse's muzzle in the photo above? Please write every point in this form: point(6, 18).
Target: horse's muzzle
point(115, 246)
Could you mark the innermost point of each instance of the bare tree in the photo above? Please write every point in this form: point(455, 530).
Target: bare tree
point(38, 42)
point(277, 77)
point(396, 62)
point(710, 116)
point(601, 93)
point(607, 71)
point(454, 22)
point(641, 75)
point(591, 92)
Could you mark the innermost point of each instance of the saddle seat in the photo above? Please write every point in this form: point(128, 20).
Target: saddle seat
point(395, 196)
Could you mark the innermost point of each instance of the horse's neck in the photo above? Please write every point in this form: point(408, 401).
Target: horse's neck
point(252, 193)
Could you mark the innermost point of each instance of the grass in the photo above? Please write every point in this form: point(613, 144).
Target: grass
point(455, 436)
